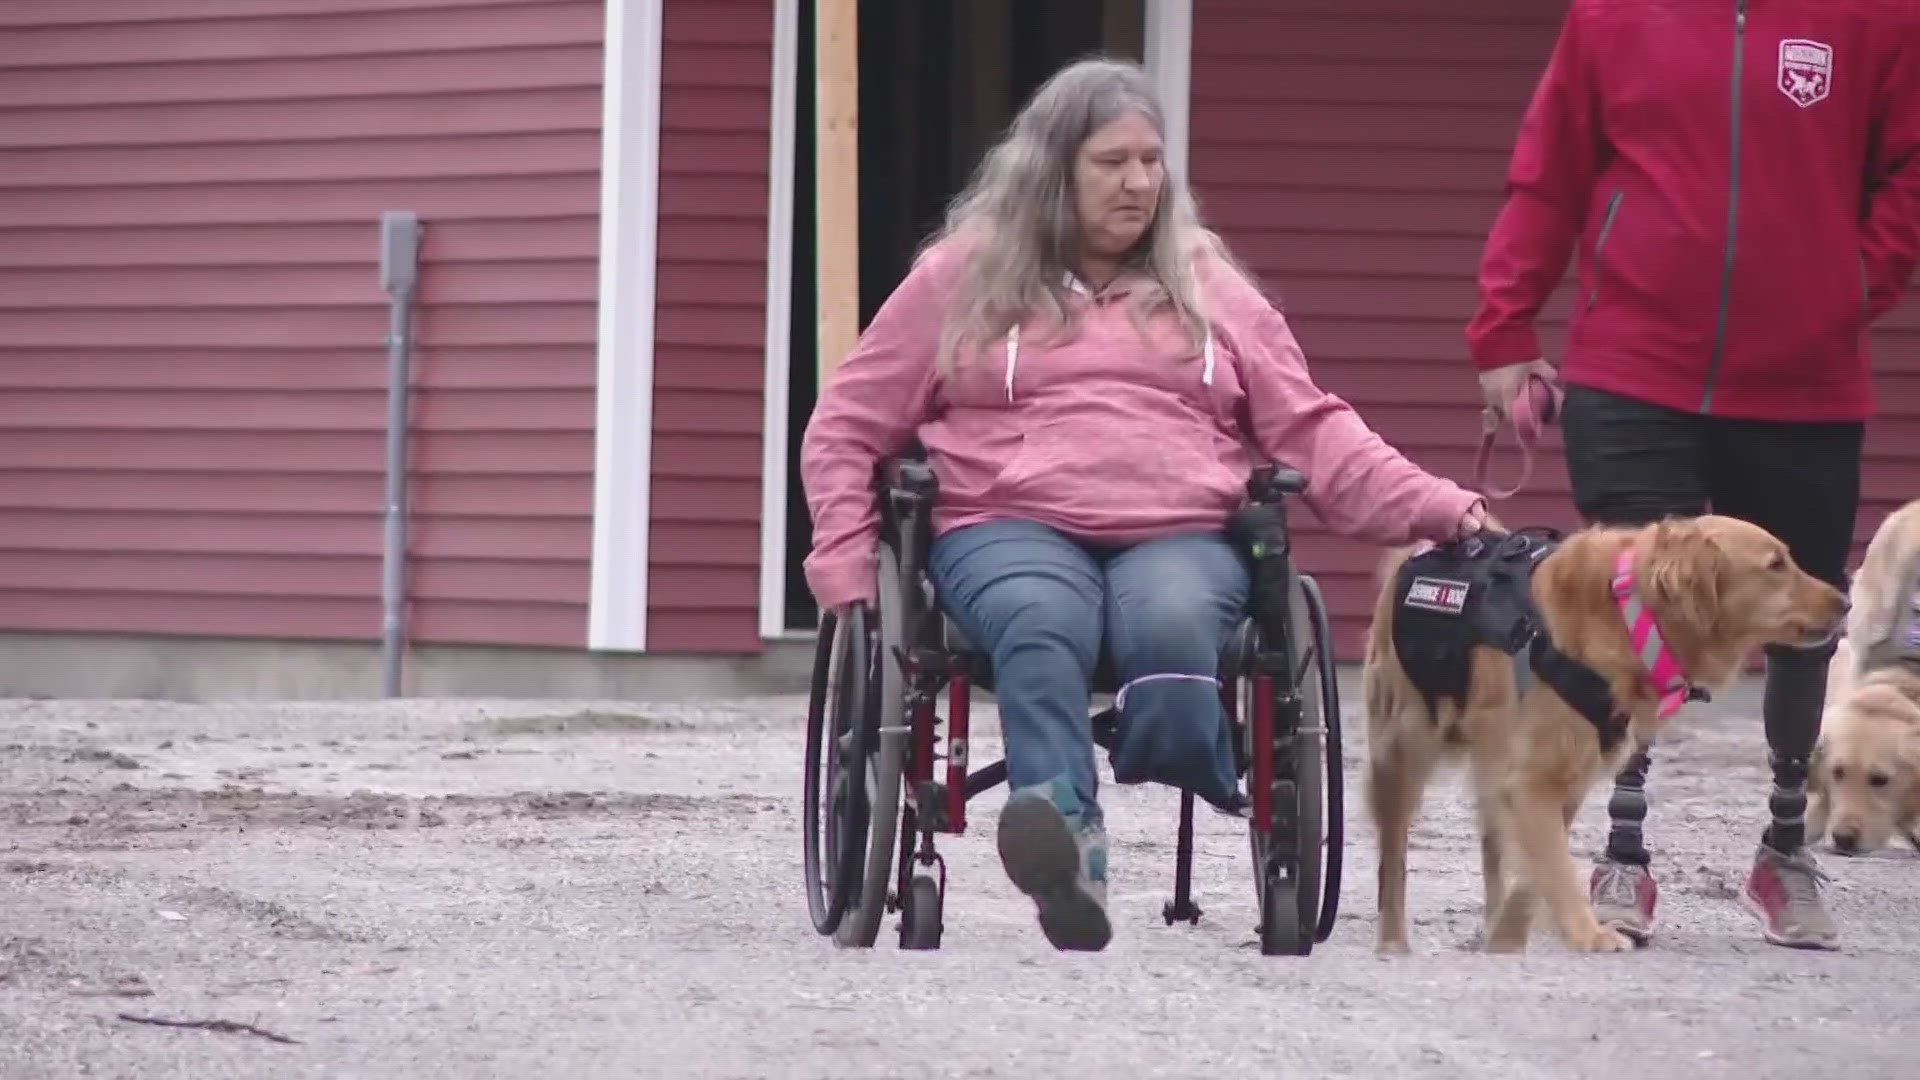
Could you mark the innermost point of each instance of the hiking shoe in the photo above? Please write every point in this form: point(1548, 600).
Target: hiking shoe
point(1050, 855)
point(1236, 806)
point(1783, 892)
point(1623, 897)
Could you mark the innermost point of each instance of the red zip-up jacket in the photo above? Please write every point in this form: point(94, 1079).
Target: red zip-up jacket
point(1742, 180)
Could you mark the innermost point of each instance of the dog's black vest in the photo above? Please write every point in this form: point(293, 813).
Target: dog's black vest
point(1479, 591)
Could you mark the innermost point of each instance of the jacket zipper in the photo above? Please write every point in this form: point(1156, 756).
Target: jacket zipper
point(1600, 243)
point(1866, 289)
point(1733, 210)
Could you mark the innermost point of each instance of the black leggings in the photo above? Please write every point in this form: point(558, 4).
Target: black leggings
point(1631, 463)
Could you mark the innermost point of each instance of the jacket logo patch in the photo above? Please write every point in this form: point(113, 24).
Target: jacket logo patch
point(1437, 594)
point(1806, 71)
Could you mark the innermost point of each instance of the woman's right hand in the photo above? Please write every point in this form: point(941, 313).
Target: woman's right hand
point(1499, 386)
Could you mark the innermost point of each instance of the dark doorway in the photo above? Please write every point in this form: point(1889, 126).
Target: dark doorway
point(939, 80)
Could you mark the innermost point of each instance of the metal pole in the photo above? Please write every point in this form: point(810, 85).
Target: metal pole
point(399, 275)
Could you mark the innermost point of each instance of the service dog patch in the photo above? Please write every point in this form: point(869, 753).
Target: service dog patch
point(1806, 71)
point(1443, 595)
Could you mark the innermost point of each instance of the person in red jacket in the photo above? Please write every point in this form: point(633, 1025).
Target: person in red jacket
point(1741, 180)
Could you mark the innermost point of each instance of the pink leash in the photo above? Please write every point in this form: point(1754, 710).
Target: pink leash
point(1533, 408)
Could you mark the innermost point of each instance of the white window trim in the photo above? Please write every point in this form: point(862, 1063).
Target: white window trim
point(623, 416)
point(774, 425)
point(1169, 62)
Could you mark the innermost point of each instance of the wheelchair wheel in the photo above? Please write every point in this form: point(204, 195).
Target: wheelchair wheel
point(885, 764)
point(920, 922)
point(1297, 869)
point(834, 807)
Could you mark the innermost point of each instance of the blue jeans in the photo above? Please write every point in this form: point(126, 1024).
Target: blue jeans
point(1041, 604)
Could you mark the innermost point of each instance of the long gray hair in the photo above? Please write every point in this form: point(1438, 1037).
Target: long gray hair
point(1018, 216)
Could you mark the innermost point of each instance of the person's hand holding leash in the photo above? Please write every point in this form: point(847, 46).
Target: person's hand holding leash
point(1528, 396)
point(1501, 385)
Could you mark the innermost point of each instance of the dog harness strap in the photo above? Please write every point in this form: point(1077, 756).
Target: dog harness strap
point(1580, 687)
point(1644, 630)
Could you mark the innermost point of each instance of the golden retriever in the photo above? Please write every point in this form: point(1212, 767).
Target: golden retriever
point(1719, 588)
point(1863, 788)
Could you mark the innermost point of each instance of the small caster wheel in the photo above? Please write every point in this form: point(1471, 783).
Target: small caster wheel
point(920, 916)
point(1285, 929)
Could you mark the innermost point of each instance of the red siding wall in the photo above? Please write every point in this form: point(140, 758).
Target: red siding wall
point(192, 358)
point(1353, 151)
point(710, 330)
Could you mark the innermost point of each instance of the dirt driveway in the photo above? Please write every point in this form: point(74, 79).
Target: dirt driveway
point(486, 889)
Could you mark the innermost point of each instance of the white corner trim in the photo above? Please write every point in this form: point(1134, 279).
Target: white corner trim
point(623, 417)
point(1169, 60)
point(779, 349)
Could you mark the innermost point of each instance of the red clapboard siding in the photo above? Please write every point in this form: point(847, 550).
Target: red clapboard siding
point(710, 327)
point(1353, 152)
point(192, 333)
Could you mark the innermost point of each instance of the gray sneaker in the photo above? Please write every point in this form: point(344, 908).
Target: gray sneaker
point(1783, 892)
point(1623, 897)
point(1059, 861)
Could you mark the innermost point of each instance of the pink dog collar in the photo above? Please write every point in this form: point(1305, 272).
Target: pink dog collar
point(1644, 630)
point(1533, 408)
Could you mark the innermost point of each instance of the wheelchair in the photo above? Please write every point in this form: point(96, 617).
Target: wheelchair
point(879, 789)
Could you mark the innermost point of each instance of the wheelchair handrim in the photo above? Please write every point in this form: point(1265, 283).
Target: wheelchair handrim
point(1334, 822)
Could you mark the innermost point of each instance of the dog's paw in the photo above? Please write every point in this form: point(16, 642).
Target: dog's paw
point(1392, 947)
point(1602, 939)
point(1506, 943)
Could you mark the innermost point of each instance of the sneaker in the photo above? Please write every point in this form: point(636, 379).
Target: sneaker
point(1783, 892)
point(1236, 806)
point(1061, 863)
point(1623, 897)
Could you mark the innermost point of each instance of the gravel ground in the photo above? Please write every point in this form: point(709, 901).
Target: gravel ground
point(480, 889)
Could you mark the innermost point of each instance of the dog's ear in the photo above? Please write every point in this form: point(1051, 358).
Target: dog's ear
point(1907, 751)
point(1681, 569)
point(1907, 755)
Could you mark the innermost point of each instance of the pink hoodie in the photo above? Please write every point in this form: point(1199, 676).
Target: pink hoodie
point(1110, 436)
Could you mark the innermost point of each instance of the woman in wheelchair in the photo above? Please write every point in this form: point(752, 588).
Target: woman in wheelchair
point(1087, 366)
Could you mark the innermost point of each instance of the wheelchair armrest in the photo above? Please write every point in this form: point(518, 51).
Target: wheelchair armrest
point(906, 489)
point(1273, 483)
point(912, 476)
